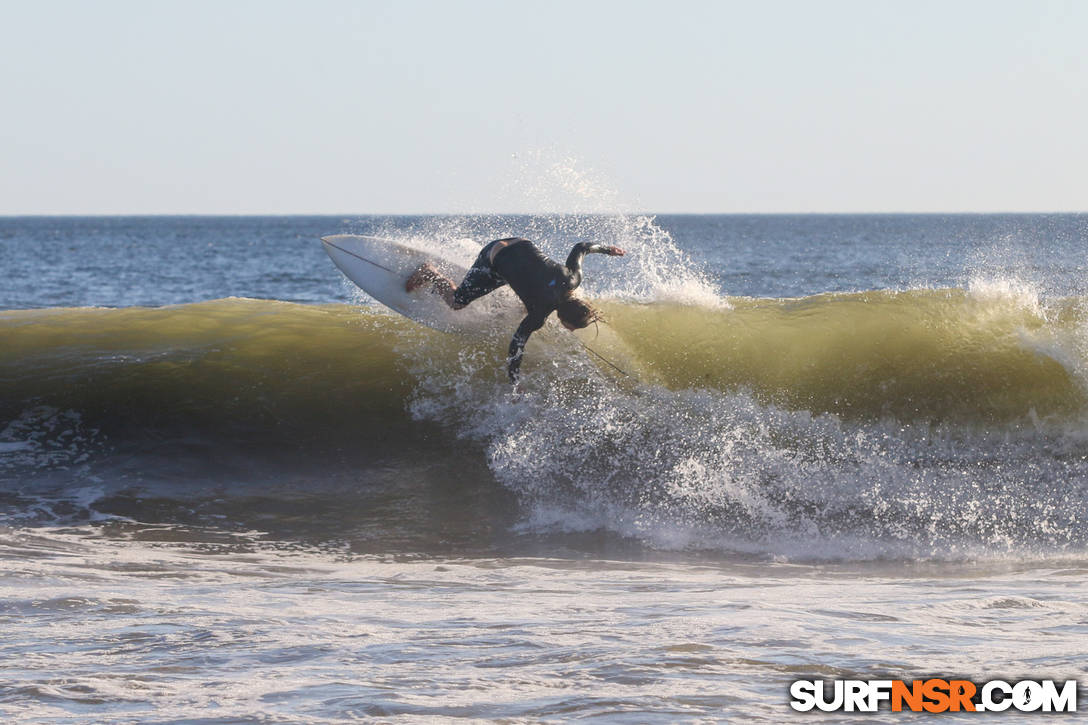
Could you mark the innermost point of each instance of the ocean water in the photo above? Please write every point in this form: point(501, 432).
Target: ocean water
point(234, 489)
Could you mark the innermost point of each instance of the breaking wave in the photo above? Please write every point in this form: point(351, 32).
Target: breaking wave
point(916, 423)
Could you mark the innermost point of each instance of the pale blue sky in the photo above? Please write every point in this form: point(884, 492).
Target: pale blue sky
point(411, 106)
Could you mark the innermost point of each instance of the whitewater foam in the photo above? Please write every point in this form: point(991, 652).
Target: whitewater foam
point(705, 469)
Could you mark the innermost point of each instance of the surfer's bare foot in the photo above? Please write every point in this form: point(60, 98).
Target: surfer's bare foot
point(425, 274)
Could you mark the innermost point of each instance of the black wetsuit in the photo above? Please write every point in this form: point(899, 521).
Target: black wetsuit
point(541, 284)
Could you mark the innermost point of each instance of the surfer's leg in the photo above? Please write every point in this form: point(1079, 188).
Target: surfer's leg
point(480, 279)
point(440, 284)
point(477, 283)
point(424, 274)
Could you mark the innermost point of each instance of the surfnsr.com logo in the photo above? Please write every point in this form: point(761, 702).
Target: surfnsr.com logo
point(933, 695)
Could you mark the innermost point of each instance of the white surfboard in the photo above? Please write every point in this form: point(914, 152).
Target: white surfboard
point(381, 266)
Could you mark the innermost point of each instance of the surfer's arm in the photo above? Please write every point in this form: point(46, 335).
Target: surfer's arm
point(528, 326)
point(580, 250)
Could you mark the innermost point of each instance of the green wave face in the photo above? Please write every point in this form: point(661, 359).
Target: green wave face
point(926, 355)
point(918, 355)
point(243, 360)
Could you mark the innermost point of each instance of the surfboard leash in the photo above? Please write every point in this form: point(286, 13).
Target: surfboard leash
point(605, 360)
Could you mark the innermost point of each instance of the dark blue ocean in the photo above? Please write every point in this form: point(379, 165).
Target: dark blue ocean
point(151, 261)
point(233, 488)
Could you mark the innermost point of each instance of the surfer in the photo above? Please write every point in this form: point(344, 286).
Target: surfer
point(543, 285)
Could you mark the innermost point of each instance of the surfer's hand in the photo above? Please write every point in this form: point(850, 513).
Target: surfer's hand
point(614, 251)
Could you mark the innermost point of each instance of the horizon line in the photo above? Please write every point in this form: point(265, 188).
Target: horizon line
point(13, 215)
